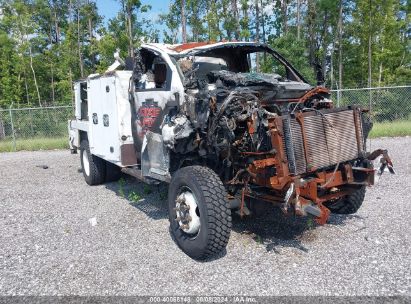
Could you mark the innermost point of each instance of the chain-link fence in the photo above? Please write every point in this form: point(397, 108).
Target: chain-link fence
point(386, 104)
point(34, 128)
point(390, 108)
point(45, 128)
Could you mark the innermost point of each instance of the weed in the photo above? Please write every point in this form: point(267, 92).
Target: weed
point(147, 190)
point(163, 195)
point(134, 197)
point(121, 184)
point(258, 239)
point(310, 223)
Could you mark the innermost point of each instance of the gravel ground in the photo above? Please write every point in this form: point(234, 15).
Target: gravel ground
point(62, 237)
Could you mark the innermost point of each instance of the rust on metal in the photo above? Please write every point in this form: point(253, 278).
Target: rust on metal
point(300, 119)
point(325, 213)
point(190, 45)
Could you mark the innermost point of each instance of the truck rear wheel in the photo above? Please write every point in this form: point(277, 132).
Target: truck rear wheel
point(199, 213)
point(348, 204)
point(94, 168)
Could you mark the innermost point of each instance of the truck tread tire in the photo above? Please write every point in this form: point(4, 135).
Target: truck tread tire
point(113, 172)
point(348, 204)
point(214, 210)
point(97, 167)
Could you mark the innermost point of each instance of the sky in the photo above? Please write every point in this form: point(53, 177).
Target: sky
point(110, 8)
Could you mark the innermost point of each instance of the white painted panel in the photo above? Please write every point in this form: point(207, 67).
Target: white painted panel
point(123, 106)
point(77, 100)
point(104, 141)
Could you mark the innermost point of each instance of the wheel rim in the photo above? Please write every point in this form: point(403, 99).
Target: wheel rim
point(187, 213)
point(86, 163)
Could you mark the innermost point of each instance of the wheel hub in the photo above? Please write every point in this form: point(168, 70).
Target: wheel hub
point(187, 213)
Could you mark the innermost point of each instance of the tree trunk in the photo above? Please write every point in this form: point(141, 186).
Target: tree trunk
point(257, 34)
point(51, 62)
point(332, 65)
point(73, 102)
point(55, 19)
point(128, 12)
point(340, 47)
point(26, 85)
point(227, 19)
point(183, 20)
point(370, 46)
point(324, 44)
point(311, 20)
point(89, 21)
point(31, 62)
point(234, 9)
point(80, 55)
point(193, 19)
point(53, 93)
point(34, 76)
point(263, 27)
point(284, 6)
point(298, 19)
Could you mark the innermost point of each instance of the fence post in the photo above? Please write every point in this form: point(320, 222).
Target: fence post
point(12, 128)
point(338, 97)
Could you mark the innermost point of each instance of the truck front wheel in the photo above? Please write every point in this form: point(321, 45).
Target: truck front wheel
point(199, 213)
point(349, 204)
point(94, 168)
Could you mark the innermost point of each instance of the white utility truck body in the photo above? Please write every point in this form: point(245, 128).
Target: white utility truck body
point(103, 117)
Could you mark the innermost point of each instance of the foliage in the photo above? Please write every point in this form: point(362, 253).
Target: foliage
point(45, 45)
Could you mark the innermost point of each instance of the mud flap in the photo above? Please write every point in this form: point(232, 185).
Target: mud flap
point(155, 161)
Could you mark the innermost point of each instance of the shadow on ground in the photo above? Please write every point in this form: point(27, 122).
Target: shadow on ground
point(149, 199)
point(268, 227)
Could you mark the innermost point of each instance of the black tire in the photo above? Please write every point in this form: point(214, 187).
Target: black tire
point(113, 172)
point(97, 167)
point(214, 212)
point(348, 204)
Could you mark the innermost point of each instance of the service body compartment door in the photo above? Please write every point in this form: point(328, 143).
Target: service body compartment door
point(104, 134)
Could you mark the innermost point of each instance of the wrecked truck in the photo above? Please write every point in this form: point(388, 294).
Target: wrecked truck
point(200, 117)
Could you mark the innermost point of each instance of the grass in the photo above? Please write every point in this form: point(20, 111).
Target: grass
point(390, 129)
point(35, 143)
point(380, 129)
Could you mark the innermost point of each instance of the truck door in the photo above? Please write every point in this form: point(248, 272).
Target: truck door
point(153, 97)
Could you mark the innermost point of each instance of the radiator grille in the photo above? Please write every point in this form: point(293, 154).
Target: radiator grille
point(330, 138)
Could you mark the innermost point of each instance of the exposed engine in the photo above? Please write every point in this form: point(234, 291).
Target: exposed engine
point(225, 117)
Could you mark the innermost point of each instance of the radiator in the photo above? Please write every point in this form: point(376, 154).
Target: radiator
point(332, 136)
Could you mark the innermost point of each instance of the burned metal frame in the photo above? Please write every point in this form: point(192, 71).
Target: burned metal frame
point(305, 197)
